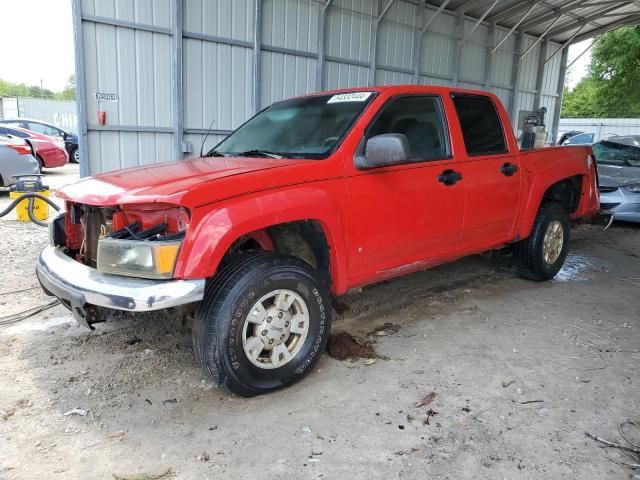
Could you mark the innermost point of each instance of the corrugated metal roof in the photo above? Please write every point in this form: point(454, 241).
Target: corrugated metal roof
point(566, 18)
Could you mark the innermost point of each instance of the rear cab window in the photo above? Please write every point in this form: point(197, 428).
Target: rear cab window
point(481, 126)
point(420, 118)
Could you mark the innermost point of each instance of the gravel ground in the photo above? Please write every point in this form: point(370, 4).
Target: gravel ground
point(520, 372)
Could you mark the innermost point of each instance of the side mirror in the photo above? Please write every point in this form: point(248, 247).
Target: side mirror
point(384, 150)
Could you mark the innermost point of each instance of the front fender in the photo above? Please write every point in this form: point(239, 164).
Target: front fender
point(215, 227)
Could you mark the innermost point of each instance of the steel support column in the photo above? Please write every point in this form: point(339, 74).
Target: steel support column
point(515, 80)
point(544, 48)
point(488, 56)
point(423, 31)
point(176, 80)
point(81, 92)
point(458, 50)
point(555, 125)
point(322, 31)
point(373, 52)
point(257, 42)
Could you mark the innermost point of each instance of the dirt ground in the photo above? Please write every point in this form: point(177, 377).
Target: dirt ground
point(520, 372)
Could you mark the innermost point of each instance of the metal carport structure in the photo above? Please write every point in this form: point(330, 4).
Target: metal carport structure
point(163, 70)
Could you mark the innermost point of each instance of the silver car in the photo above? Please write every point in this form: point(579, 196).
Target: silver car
point(15, 159)
point(619, 172)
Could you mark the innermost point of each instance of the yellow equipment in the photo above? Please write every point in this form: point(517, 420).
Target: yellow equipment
point(30, 185)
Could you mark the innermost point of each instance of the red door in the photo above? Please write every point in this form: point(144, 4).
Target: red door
point(491, 171)
point(400, 216)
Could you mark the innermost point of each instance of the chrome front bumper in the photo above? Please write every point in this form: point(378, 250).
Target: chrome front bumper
point(77, 285)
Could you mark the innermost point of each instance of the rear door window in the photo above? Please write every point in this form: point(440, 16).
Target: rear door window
point(44, 129)
point(481, 127)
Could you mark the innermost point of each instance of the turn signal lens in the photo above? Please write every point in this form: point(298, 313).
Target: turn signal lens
point(164, 257)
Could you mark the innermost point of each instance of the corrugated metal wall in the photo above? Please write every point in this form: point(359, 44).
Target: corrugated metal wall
point(176, 66)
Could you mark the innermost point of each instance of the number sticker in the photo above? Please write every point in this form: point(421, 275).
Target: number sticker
point(350, 97)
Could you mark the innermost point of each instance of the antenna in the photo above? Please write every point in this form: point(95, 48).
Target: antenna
point(206, 136)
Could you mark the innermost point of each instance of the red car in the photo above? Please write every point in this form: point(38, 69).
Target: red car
point(50, 151)
point(312, 197)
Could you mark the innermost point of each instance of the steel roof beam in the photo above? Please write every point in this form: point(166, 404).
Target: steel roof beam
point(545, 17)
point(565, 44)
point(434, 16)
point(469, 4)
point(509, 11)
point(633, 20)
point(526, 52)
point(513, 29)
point(583, 52)
point(480, 20)
point(588, 19)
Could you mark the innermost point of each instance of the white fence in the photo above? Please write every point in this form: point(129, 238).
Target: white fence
point(602, 127)
point(61, 113)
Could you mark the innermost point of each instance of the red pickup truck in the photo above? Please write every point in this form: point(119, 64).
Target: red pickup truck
point(312, 197)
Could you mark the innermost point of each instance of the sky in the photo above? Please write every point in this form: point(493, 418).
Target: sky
point(42, 48)
point(37, 36)
point(578, 69)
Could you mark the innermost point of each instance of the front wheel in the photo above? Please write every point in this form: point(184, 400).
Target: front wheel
point(542, 255)
point(263, 323)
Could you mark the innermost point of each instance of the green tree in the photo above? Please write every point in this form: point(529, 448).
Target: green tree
point(615, 64)
point(69, 91)
point(11, 89)
point(610, 89)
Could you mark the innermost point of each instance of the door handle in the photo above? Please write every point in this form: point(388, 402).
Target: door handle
point(449, 177)
point(508, 169)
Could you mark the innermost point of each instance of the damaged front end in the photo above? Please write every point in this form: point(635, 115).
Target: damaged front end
point(117, 257)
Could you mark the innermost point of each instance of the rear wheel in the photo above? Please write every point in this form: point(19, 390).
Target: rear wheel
point(263, 323)
point(542, 255)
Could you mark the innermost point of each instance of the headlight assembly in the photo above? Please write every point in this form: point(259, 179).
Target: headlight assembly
point(138, 258)
point(632, 187)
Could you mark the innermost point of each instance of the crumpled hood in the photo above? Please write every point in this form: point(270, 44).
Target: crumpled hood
point(616, 176)
point(164, 182)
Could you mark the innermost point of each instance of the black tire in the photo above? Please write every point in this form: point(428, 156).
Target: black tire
point(529, 252)
point(230, 296)
point(72, 155)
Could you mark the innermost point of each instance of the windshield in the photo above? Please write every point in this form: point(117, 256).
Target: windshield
point(308, 127)
point(612, 153)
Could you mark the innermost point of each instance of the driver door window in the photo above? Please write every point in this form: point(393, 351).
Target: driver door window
point(421, 120)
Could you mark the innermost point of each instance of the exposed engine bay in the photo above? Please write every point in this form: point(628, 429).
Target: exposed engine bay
point(81, 227)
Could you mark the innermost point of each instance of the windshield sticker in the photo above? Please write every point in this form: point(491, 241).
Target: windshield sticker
point(350, 97)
